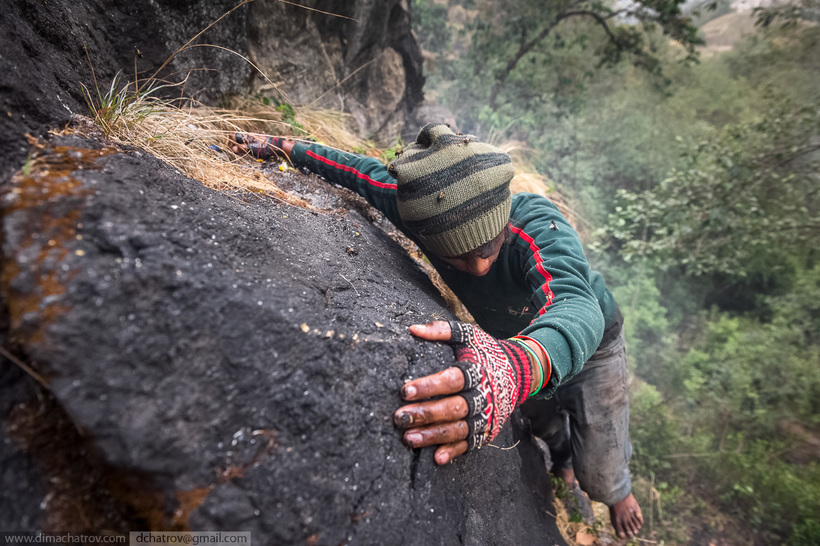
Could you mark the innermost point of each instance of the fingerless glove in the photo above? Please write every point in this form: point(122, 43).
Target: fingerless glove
point(261, 148)
point(497, 378)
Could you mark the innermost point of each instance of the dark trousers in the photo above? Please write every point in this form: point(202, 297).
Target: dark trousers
point(586, 424)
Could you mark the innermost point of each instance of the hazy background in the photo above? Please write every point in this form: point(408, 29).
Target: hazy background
point(686, 138)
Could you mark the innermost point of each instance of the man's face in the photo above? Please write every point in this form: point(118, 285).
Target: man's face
point(473, 264)
point(478, 263)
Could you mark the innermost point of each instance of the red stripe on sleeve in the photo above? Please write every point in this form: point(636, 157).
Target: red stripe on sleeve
point(539, 266)
point(326, 161)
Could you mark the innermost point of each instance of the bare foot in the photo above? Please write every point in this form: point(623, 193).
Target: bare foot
point(626, 517)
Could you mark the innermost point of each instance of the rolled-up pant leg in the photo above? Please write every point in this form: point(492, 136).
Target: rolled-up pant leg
point(597, 404)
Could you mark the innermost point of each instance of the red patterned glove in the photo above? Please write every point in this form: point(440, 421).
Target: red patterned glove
point(261, 146)
point(497, 378)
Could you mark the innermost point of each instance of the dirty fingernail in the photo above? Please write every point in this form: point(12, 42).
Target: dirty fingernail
point(409, 391)
point(404, 419)
point(443, 458)
point(413, 439)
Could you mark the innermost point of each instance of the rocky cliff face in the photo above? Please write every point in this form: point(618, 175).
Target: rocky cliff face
point(48, 48)
point(203, 360)
point(364, 60)
point(366, 63)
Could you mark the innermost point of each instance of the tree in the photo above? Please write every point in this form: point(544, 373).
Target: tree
point(430, 25)
point(517, 29)
point(789, 14)
point(738, 204)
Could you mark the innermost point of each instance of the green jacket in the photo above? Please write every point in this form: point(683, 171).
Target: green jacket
point(541, 286)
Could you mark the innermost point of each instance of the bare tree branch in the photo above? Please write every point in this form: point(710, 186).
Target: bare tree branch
point(527, 47)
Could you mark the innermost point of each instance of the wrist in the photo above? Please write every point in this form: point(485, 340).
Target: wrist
point(287, 147)
point(265, 146)
point(541, 361)
point(536, 373)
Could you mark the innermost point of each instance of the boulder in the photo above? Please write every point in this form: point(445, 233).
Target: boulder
point(230, 362)
point(49, 49)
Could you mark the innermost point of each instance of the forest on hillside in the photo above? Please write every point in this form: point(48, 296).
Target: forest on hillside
point(688, 140)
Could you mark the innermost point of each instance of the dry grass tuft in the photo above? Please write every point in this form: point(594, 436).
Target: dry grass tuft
point(193, 139)
point(579, 533)
point(329, 127)
point(196, 139)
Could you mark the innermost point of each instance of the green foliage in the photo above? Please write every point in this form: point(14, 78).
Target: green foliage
point(707, 193)
point(748, 386)
point(789, 14)
point(430, 24)
point(740, 203)
point(781, 61)
point(710, 9)
point(27, 165)
point(527, 58)
point(653, 431)
point(388, 155)
point(647, 328)
point(744, 190)
point(289, 117)
point(736, 204)
point(806, 533)
point(773, 496)
point(733, 382)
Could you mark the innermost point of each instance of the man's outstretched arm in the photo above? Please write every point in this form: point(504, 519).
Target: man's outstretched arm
point(364, 175)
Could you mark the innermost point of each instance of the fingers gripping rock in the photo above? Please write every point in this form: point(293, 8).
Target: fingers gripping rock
point(259, 146)
point(497, 378)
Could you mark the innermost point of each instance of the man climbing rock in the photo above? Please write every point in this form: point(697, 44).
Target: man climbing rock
point(551, 336)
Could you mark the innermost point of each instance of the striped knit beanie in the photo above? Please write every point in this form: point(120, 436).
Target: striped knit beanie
point(453, 191)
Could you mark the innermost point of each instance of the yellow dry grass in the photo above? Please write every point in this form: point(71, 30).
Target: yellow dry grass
point(600, 532)
point(195, 139)
point(329, 127)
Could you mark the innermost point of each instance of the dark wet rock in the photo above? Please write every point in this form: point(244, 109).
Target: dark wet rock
point(20, 478)
point(228, 364)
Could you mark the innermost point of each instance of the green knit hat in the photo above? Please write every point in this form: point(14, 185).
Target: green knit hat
point(453, 191)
